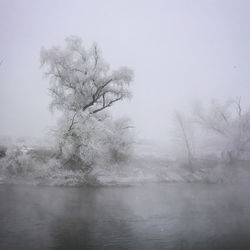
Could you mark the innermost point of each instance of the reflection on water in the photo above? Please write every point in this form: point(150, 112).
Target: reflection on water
point(156, 216)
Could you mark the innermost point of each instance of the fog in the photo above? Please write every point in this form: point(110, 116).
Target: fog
point(180, 51)
point(124, 124)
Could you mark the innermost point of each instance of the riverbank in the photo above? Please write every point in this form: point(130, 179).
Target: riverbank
point(22, 163)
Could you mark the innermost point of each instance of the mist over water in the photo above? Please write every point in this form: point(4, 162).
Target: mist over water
point(167, 216)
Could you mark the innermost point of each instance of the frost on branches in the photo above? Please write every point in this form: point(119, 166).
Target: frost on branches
point(83, 88)
point(219, 130)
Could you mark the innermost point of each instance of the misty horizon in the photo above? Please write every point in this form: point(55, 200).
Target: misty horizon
point(124, 124)
point(179, 51)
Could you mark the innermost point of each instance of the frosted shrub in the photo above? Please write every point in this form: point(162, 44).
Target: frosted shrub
point(119, 141)
point(16, 162)
point(94, 141)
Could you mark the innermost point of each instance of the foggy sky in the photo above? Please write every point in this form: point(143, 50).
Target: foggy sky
point(179, 51)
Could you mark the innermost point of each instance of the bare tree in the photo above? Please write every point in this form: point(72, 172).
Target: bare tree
point(185, 136)
point(228, 124)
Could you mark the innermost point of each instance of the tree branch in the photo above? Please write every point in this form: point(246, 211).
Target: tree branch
point(238, 106)
point(96, 95)
point(72, 122)
point(107, 105)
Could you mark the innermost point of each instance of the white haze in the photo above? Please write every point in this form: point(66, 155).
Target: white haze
point(179, 50)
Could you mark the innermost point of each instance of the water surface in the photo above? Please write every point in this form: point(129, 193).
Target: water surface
point(152, 216)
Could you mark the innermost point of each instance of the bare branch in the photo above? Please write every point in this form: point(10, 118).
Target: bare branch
point(237, 103)
point(72, 122)
point(180, 121)
point(96, 55)
point(107, 105)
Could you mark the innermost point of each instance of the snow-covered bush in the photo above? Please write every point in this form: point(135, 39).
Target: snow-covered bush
point(119, 141)
point(93, 141)
point(16, 162)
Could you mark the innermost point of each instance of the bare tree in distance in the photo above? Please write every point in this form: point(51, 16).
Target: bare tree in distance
point(183, 132)
point(229, 124)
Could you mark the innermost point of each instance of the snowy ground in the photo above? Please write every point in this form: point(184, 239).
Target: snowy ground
point(23, 164)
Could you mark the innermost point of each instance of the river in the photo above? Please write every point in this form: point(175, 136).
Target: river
point(150, 216)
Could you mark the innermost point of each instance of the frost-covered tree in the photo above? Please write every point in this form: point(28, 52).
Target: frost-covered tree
point(226, 126)
point(83, 87)
point(81, 80)
point(219, 131)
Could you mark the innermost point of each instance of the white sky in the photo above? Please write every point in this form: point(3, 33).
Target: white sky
point(179, 51)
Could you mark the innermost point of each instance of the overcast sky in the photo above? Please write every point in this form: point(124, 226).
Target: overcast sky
point(179, 51)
